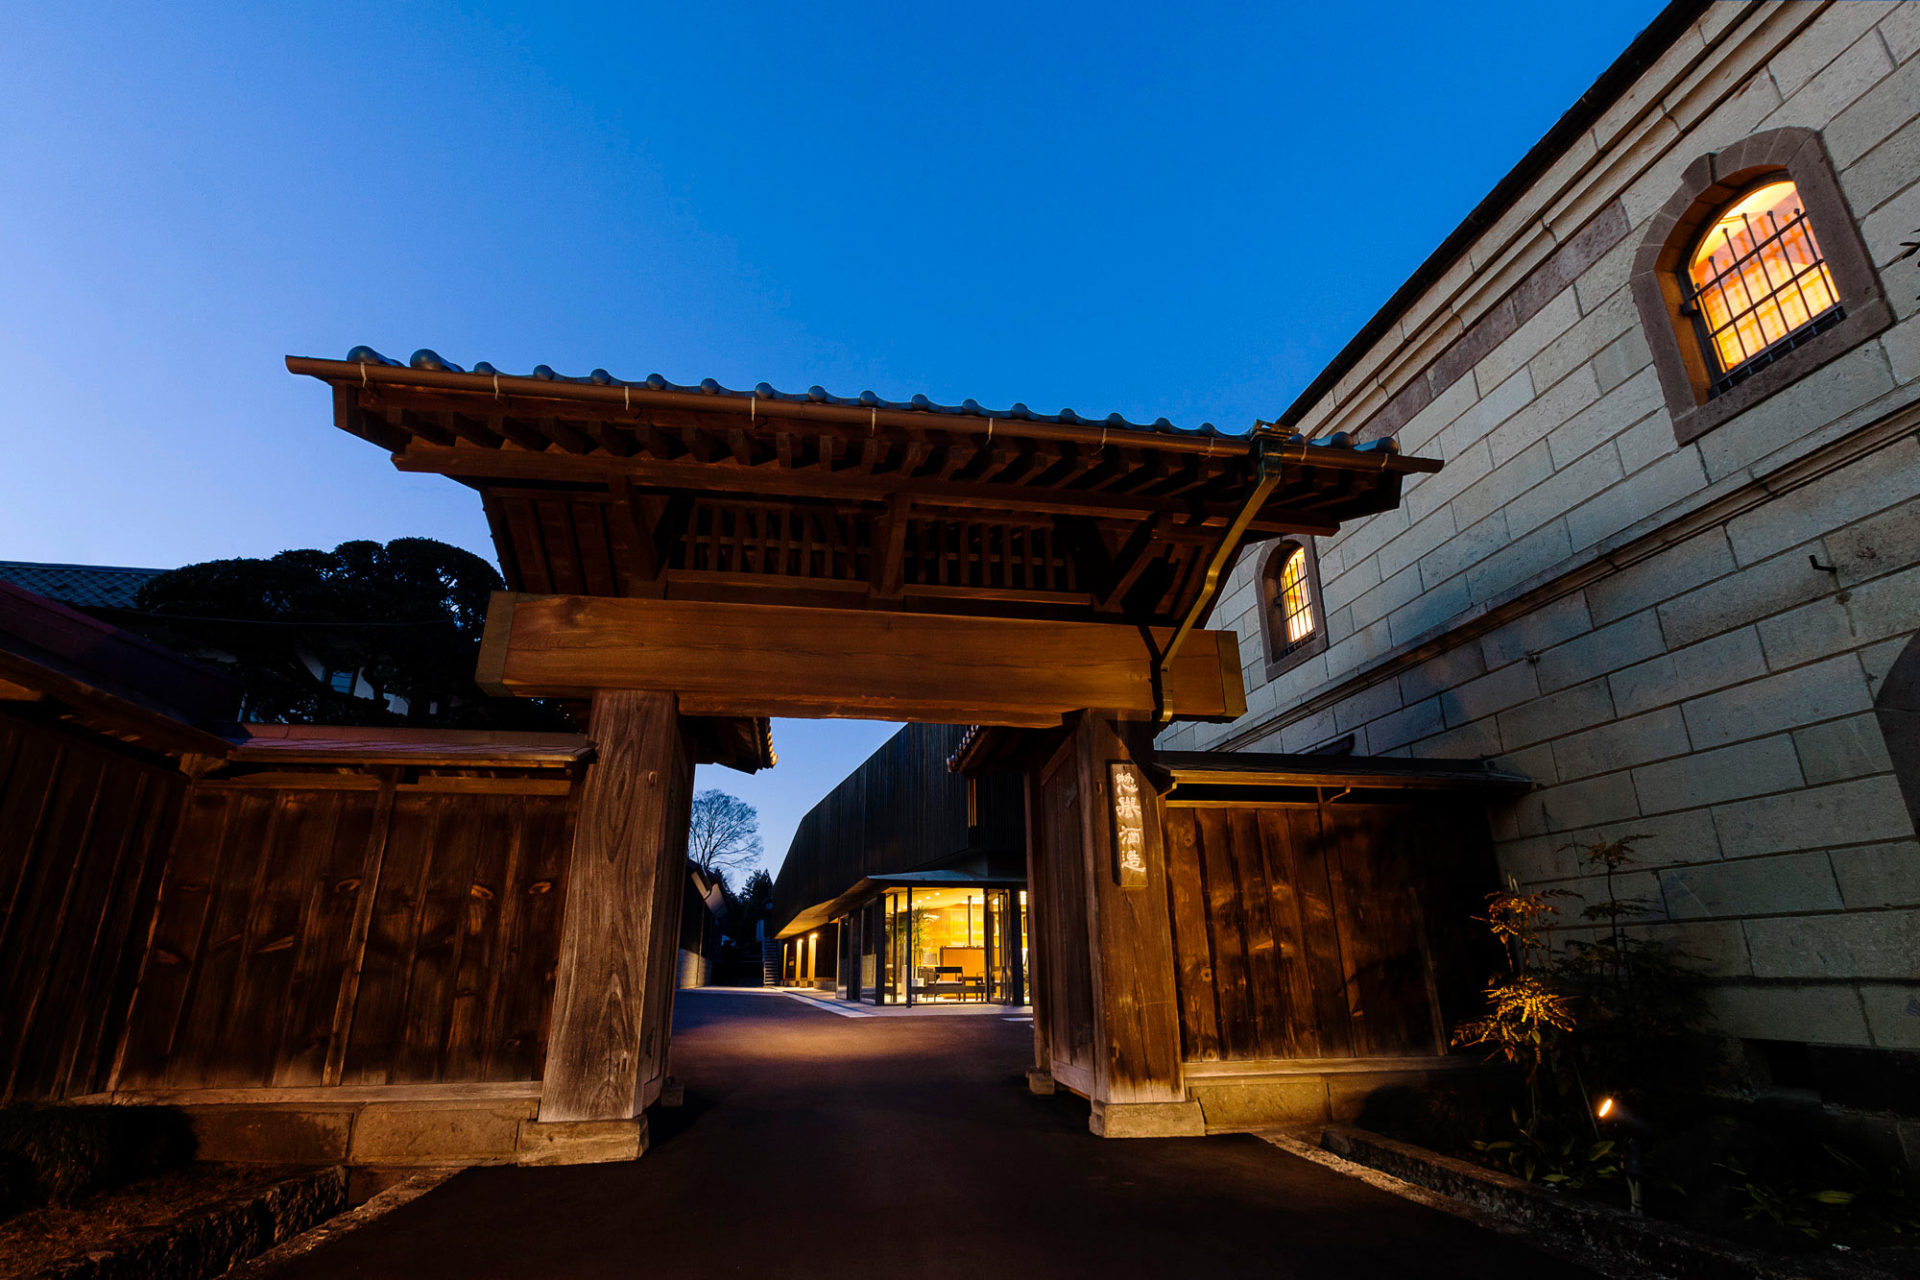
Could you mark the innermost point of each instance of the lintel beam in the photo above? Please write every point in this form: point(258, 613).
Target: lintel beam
point(729, 659)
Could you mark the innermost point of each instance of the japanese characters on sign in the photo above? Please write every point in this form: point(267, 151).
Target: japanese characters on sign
point(1129, 825)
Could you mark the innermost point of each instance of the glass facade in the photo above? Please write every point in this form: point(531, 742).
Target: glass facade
point(947, 945)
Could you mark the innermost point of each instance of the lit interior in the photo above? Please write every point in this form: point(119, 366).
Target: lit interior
point(1295, 601)
point(943, 942)
point(1758, 274)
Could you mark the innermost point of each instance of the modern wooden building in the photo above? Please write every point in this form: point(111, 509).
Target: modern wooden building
point(907, 883)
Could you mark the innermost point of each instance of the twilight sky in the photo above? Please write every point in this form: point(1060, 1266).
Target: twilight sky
point(1155, 209)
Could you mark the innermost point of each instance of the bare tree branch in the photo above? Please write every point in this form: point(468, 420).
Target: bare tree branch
point(725, 834)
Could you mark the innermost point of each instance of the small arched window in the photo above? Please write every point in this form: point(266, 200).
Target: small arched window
point(1751, 276)
point(1290, 613)
point(1757, 283)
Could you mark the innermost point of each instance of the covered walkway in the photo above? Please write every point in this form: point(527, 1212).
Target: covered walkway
point(817, 1145)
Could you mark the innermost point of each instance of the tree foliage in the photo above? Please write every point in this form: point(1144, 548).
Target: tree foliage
point(406, 617)
point(725, 834)
point(754, 902)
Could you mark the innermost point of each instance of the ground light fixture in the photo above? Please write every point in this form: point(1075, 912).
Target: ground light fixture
point(1610, 1112)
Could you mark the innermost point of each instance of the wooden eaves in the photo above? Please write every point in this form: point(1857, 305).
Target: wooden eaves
point(601, 487)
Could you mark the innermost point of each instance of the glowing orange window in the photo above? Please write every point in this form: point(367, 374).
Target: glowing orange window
point(1296, 601)
point(1759, 283)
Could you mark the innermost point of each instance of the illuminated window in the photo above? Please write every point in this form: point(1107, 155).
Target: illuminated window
point(1296, 602)
point(1290, 613)
point(1757, 282)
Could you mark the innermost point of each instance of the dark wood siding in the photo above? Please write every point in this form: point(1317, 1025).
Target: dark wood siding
point(83, 829)
point(353, 934)
point(1324, 931)
point(901, 810)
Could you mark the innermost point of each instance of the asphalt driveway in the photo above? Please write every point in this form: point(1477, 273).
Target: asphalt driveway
point(818, 1145)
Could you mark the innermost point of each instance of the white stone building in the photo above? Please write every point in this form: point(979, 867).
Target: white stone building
point(1673, 578)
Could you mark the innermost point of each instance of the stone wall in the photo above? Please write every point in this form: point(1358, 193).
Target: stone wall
point(1633, 622)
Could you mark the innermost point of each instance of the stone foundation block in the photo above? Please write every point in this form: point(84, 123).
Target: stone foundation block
point(416, 1133)
point(273, 1134)
point(1147, 1120)
point(581, 1141)
point(1256, 1104)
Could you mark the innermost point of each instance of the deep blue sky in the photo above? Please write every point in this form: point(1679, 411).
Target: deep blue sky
point(1155, 209)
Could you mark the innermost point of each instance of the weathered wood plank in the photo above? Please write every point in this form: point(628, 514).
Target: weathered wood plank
point(748, 659)
point(1309, 854)
point(365, 883)
point(518, 1036)
point(193, 1058)
point(1186, 888)
point(331, 891)
point(374, 1040)
point(1136, 1010)
point(630, 830)
point(289, 863)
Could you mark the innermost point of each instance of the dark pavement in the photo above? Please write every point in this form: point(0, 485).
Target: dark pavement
point(818, 1145)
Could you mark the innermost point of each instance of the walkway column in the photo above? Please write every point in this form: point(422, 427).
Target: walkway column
point(613, 987)
point(1138, 1091)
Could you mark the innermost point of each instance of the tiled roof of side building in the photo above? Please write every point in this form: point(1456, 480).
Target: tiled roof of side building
point(427, 359)
point(95, 586)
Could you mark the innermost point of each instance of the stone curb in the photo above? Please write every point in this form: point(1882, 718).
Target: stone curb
point(377, 1206)
point(213, 1240)
point(1638, 1246)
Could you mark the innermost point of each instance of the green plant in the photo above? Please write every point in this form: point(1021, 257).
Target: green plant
point(1838, 1198)
point(1546, 1150)
point(1637, 1000)
point(1527, 1012)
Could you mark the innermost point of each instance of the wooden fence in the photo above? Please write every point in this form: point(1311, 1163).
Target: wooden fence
point(84, 827)
point(386, 933)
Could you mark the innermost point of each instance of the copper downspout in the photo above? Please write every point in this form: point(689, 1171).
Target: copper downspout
point(1268, 469)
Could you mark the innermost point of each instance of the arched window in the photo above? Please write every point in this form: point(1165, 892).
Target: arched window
point(1757, 283)
point(1751, 276)
point(1290, 614)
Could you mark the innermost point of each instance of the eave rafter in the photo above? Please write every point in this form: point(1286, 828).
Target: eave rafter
point(596, 487)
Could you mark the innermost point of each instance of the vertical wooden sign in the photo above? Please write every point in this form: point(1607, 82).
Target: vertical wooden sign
point(1129, 824)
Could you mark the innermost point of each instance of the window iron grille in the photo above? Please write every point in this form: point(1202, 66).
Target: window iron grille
point(1295, 602)
point(1758, 285)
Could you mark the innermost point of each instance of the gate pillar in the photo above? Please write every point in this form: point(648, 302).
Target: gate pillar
point(1108, 1027)
point(607, 1047)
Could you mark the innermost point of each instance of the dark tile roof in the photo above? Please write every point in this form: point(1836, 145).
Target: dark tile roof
point(432, 360)
point(86, 586)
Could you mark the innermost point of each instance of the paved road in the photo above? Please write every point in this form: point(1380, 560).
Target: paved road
point(814, 1145)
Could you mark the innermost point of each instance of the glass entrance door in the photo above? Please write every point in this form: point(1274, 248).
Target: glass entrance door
point(1007, 946)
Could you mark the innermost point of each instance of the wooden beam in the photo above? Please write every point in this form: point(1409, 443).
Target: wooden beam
point(12, 692)
point(639, 569)
point(846, 486)
point(770, 660)
point(891, 540)
point(607, 1046)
